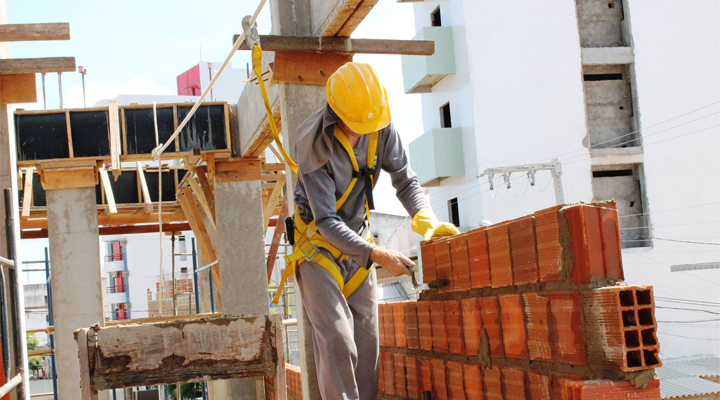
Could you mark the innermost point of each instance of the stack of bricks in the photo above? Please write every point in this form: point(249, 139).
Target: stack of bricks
point(534, 308)
point(293, 380)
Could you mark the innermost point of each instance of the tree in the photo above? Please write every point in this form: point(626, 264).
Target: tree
point(35, 363)
point(188, 391)
point(32, 342)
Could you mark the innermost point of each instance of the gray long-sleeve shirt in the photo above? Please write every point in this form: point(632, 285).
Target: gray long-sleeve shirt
point(325, 171)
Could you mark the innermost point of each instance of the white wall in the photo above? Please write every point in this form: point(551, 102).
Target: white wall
point(230, 84)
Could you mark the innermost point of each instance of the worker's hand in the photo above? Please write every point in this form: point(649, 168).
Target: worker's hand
point(393, 261)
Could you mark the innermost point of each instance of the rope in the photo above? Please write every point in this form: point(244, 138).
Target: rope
point(157, 151)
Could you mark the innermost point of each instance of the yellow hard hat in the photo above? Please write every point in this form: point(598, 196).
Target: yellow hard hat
point(358, 98)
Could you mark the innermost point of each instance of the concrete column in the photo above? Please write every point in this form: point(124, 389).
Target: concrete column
point(76, 277)
point(241, 251)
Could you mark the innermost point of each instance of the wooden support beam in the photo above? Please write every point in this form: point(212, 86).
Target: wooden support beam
point(315, 44)
point(273, 167)
point(147, 200)
point(27, 192)
point(16, 89)
point(41, 352)
point(115, 142)
point(36, 65)
point(81, 336)
point(187, 202)
point(206, 185)
point(68, 174)
point(224, 347)
point(115, 230)
point(161, 319)
point(200, 194)
point(338, 17)
point(109, 196)
point(31, 32)
point(307, 68)
point(277, 235)
point(272, 200)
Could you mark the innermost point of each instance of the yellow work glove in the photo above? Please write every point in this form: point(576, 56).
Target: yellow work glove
point(425, 223)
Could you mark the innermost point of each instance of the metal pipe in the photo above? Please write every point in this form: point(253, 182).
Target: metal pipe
point(212, 294)
point(20, 362)
point(174, 282)
point(4, 325)
point(44, 95)
point(196, 287)
point(51, 322)
point(5, 261)
point(60, 89)
point(206, 266)
point(11, 385)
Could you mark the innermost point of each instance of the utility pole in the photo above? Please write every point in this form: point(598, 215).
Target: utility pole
point(60, 89)
point(44, 95)
point(554, 166)
point(210, 75)
point(83, 71)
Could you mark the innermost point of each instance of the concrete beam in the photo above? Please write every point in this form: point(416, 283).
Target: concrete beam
point(607, 55)
point(252, 133)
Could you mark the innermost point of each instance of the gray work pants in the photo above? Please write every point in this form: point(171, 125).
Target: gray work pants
point(345, 331)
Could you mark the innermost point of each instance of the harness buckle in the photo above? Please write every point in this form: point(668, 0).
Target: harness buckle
point(317, 251)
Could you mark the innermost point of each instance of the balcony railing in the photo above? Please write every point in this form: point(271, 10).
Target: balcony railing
point(116, 289)
point(115, 257)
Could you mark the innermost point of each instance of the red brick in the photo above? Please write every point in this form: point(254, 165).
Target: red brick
point(439, 380)
point(425, 325)
point(522, 250)
point(549, 246)
point(444, 263)
point(460, 262)
point(399, 324)
point(388, 373)
point(568, 342)
point(429, 265)
point(500, 259)
point(514, 383)
point(399, 365)
point(492, 324)
point(389, 325)
point(613, 390)
point(539, 385)
point(454, 327)
point(381, 324)
point(412, 368)
point(479, 258)
point(513, 326)
point(559, 381)
point(411, 325)
point(426, 374)
point(381, 376)
point(439, 330)
point(473, 382)
point(611, 241)
point(472, 325)
point(492, 380)
point(537, 323)
point(455, 386)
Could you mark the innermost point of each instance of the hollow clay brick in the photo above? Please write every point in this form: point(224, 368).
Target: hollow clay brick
point(444, 263)
point(500, 259)
point(455, 386)
point(539, 385)
point(479, 258)
point(567, 336)
point(492, 381)
point(439, 380)
point(472, 325)
point(426, 375)
point(429, 265)
point(412, 369)
point(513, 326)
point(522, 250)
point(425, 325)
point(293, 380)
point(439, 330)
point(460, 262)
point(472, 378)
point(388, 371)
point(514, 383)
point(537, 323)
point(611, 241)
point(492, 325)
point(381, 376)
point(399, 324)
point(612, 390)
point(389, 325)
point(399, 366)
point(411, 325)
point(454, 327)
point(549, 247)
point(381, 324)
point(559, 381)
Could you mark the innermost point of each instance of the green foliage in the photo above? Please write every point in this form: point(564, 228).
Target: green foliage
point(35, 363)
point(188, 391)
point(32, 342)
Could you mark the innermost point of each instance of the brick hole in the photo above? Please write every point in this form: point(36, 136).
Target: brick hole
point(626, 298)
point(632, 339)
point(645, 317)
point(644, 297)
point(427, 395)
point(628, 318)
point(650, 358)
point(634, 359)
point(648, 337)
point(611, 5)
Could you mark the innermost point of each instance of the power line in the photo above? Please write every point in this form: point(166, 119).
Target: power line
point(697, 321)
point(687, 337)
point(669, 240)
point(664, 226)
point(689, 309)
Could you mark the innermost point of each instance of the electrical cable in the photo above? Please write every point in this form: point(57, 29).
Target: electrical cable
point(686, 337)
point(669, 240)
point(664, 226)
point(688, 309)
point(697, 321)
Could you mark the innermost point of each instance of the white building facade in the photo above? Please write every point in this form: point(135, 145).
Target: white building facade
point(624, 93)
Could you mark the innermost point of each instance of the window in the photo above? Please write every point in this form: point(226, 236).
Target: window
point(182, 247)
point(454, 212)
point(445, 119)
point(435, 17)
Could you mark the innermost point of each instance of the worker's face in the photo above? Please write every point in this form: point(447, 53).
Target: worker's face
point(347, 129)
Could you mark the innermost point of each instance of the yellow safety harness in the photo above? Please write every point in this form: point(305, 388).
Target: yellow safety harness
point(308, 242)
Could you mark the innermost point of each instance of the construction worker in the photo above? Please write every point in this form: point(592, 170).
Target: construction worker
point(340, 151)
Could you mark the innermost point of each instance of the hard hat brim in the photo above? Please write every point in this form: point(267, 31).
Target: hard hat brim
point(364, 128)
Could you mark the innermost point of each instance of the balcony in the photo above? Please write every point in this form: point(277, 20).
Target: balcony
point(437, 154)
point(421, 73)
point(114, 263)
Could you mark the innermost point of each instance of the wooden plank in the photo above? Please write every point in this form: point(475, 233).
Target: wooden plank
point(329, 16)
point(319, 44)
point(115, 230)
point(69, 134)
point(239, 169)
point(269, 209)
point(200, 194)
point(42, 352)
point(277, 236)
point(115, 142)
point(278, 344)
point(273, 167)
point(187, 202)
point(144, 188)
point(36, 65)
point(206, 186)
point(361, 11)
point(27, 192)
point(30, 32)
point(161, 319)
point(107, 189)
point(224, 347)
point(307, 68)
point(81, 336)
point(17, 89)
point(68, 174)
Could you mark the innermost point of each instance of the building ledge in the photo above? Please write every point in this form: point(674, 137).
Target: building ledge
point(612, 156)
point(607, 55)
point(421, 73)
